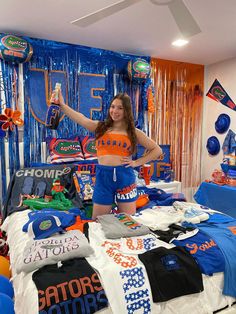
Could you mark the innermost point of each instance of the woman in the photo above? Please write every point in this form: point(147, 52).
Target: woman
point(116, 140)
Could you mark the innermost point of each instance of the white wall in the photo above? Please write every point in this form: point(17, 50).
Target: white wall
point(225, 73)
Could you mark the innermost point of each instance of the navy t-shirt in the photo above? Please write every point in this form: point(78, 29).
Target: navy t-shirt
point(72, 288)
point(28, 180)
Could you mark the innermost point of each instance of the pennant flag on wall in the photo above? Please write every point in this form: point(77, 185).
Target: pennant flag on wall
point(217, 93)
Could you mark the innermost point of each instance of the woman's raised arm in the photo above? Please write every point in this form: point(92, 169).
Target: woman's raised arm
point(76, 116)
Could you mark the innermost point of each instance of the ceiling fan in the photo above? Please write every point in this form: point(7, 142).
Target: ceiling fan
point(183, 18)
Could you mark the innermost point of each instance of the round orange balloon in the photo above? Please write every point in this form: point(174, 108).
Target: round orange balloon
point(5, 267)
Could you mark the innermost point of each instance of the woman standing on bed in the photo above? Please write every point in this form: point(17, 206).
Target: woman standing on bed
point(116, 140)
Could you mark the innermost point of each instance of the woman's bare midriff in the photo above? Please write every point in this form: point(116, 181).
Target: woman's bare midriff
point(110, 160)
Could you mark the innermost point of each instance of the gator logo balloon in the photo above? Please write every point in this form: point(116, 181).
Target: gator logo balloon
point(139, 69)
point(15, 49)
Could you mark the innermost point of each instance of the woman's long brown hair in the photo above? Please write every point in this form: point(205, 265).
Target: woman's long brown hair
point(103, 126)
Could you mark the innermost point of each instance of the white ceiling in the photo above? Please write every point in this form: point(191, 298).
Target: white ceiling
point(141, 29)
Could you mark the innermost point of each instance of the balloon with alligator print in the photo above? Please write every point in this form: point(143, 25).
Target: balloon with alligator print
point(138, 69)
point(15, 49)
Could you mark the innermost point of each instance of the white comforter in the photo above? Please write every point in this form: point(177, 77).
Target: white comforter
point(26, 296)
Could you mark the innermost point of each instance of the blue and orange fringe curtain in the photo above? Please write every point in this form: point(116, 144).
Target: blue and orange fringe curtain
point(49, 60)
point(178, 116)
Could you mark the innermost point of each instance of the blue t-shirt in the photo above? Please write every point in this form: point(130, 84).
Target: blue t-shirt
point(219, 218)
point(205, 251)
point(224, 234)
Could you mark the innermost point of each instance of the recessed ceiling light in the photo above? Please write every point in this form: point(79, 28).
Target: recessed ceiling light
point(180, 42)
point(161, 2)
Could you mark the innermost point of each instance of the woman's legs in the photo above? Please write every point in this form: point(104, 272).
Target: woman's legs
point(100, 210)
point(128, 207)
point(106, 188)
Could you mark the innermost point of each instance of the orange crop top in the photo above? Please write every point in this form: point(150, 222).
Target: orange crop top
point(113, 144)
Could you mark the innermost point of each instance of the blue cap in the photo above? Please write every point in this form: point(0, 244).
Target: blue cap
point(44, 227)
point(213, 145)
point(222, 123)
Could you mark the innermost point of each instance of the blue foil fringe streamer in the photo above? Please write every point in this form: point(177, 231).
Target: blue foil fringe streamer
point(73, 59)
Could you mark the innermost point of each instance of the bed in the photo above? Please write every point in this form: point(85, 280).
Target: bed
point(122, 284)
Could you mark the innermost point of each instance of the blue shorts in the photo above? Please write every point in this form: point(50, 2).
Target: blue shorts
point(114, 184)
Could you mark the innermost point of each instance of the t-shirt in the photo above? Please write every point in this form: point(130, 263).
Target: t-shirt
point(19, 184)
point(73, 287)
point(169, 273)
point(174, 232)
point(39, 253)
point(121, 225)
point(159, 217)
point(205, 250)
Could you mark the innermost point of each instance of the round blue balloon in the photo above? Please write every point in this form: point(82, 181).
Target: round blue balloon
point(139, 69)
point(6, 286)
point(6, 304)
point(15, 49)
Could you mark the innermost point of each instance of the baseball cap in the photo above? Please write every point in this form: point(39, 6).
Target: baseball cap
point(213, 145)
point(44, 227)
point(222, 123)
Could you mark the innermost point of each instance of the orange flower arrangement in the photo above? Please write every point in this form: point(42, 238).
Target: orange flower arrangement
point(10, 118)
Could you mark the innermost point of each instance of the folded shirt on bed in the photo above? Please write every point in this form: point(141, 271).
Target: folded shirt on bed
point(175, 231)
point(66, 218)
point(121, 225)
point(74, 287)
point(159, 217)
point(38, 253)
point(205, 251)
point(169, 273)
